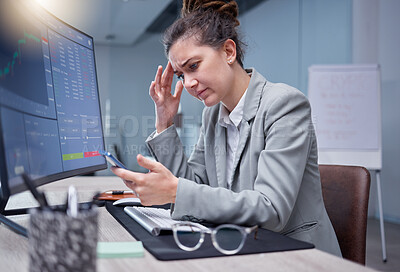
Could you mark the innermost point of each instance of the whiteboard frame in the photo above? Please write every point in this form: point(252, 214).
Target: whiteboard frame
point(371, 159)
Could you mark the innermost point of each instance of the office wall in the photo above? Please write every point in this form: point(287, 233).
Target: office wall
point(376, 39)
point(389, 58)
point(285, 37)
point(272, 34)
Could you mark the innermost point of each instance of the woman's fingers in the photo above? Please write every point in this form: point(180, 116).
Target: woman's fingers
point(167, 77)
point(156, 187)
point(147, 163)
point(160, 88)
point(157, 79)
point(163, 80)
point(178, 90)
point(132, 180)
point(152, 91)
point(131, 185)
point(129, 176)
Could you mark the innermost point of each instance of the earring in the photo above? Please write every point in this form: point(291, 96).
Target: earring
point(230, 61)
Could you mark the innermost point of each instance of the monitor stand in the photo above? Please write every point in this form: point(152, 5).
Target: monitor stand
point(22, 230)
point(14, 226)
point(9, 223)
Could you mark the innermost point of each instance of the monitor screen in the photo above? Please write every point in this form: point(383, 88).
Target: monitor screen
point(50, 120)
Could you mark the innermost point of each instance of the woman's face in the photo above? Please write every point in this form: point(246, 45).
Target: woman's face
point(205, 71)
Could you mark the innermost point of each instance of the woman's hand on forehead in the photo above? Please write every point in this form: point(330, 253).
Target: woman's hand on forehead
point(167, 104)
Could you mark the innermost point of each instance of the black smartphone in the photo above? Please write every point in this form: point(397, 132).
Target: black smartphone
point(111, 159)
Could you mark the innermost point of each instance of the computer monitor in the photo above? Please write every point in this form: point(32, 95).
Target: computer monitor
point(50, 120)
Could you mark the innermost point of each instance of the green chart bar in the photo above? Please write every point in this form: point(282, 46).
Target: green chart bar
point(72, 156)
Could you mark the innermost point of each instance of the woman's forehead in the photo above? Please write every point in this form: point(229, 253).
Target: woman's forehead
point(185, 49)
point(182, 47)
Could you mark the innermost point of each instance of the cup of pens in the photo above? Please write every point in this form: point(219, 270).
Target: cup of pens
point(63, 239)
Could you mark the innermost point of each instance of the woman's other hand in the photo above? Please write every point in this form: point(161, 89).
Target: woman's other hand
point(156, 187)
point(166, 104)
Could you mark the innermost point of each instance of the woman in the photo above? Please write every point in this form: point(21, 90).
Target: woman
point(255, 162)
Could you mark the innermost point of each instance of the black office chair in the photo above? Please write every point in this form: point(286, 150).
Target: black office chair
point(345, 190)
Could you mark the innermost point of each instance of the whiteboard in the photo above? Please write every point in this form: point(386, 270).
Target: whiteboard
point(346, 113)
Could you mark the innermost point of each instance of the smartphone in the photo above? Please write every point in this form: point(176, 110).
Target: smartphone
point(111, 159)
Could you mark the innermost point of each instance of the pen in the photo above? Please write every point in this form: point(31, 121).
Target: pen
point(118, 192)
point(72, 209)
point(39, 196)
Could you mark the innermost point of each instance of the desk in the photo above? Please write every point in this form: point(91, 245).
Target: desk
point(14, 248)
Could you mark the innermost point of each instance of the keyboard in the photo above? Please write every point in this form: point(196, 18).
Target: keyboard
point(154, 220)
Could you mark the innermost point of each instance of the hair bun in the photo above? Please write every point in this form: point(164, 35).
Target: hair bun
point(229, 8)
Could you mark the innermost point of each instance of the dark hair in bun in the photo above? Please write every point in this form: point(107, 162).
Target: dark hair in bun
point(212, 22)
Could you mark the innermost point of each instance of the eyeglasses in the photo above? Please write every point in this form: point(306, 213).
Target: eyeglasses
point(227, 239)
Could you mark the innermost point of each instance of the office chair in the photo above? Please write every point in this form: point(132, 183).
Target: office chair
point(345, 190)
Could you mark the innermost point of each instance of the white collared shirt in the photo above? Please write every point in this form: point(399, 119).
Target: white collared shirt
point(231, 121)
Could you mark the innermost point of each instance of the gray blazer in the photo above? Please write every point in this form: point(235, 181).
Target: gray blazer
point(276, 182)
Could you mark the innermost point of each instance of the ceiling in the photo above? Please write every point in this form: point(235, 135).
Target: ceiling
point(116, 22)
point(121, 22)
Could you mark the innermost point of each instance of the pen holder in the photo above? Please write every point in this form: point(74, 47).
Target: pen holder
point(58, 242)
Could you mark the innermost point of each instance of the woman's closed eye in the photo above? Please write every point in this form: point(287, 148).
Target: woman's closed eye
point(193, 66)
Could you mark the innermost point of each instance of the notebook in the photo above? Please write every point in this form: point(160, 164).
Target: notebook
point(120, 249)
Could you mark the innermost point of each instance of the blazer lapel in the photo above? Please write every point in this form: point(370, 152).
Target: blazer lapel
point(244, 135)
point(252, 102)
point(220, 155)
